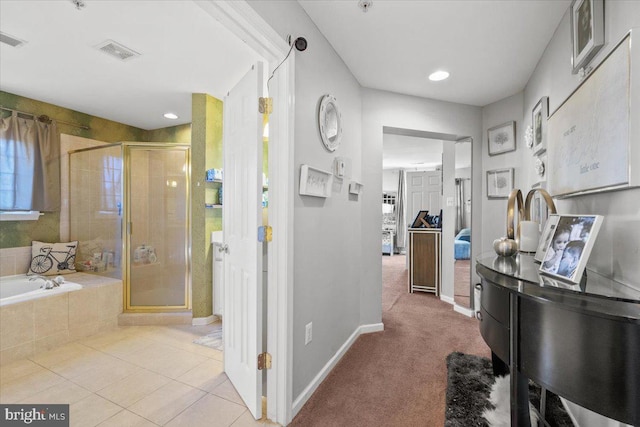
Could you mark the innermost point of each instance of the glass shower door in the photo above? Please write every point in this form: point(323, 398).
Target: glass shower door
point(157, 229)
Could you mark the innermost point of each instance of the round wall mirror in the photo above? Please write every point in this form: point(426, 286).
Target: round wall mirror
point(330, 122)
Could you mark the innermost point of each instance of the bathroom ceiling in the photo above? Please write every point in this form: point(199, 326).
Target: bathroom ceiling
point(183, 51)
point(489, 47)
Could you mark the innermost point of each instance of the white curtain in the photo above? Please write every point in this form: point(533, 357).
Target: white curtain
point(29, 165)
point(401, 226)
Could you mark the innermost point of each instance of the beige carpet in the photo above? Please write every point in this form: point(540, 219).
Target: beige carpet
point(397, 377)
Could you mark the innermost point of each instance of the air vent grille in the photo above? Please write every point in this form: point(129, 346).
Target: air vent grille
point(117, 50)
point(10, 40)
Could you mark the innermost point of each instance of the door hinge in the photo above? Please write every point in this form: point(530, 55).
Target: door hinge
point(265, 105)
point(265, 233)
point(264, 361)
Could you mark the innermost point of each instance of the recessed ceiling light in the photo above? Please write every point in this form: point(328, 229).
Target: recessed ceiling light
point(171, 116)
point(438, 75)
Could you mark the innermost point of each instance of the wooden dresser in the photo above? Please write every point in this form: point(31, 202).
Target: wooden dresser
point(425, 259)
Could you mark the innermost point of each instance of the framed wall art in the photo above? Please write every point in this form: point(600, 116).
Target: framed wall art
point(587, 31)
point(568, 250)
point(539, 117)
point(593, 139)
point(315, 182)
point(499, 183)
point(502, 138)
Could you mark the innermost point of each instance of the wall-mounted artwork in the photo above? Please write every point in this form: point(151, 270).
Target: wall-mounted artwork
point(539, 117)
point(502, 138)
point(315, 182)
point(590, 134)
point(587, 31)
point(499, 183)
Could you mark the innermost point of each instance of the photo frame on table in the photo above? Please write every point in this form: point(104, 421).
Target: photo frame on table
point(587, 31)
point(499, 183)
point(502, 138)
point(545, 238)
point(420, 219)
point(568, 250)
point(539, 116)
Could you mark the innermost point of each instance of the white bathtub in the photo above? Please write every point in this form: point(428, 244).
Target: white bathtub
point(19, 288)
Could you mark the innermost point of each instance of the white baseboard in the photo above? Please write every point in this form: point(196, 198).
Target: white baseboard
point(463, 310)
point(299, 402)
point(447, 299)
point(201, 321)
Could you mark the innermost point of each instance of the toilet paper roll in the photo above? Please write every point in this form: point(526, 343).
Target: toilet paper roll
point(529, 235)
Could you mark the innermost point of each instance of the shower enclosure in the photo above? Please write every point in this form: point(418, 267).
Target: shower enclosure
point(129, 211)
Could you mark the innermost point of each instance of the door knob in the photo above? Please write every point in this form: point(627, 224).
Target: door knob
point(223, 248)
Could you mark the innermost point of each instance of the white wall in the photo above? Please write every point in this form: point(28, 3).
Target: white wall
point(495, 210)
point(327, 232)
point(381, 109)
point(617, 248)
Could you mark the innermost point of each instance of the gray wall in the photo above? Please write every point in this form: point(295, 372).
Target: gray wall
point(495, 210)
point(327, 232)
point(617, 248)
point(379, 109)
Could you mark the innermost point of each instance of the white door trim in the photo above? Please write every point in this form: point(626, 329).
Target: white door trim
point(248, 25)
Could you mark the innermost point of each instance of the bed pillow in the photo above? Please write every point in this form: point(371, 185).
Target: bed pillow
point(51, 259)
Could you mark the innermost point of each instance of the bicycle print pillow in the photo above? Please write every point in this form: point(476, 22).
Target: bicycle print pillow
point(51, 259)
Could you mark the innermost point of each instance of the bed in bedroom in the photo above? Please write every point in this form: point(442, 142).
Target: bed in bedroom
point(462, 244)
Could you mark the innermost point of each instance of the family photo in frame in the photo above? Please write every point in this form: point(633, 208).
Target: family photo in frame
point(540, 114)
point(567, 251)
point(587, 31)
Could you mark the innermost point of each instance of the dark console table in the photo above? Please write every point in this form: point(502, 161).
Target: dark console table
point(581, 342)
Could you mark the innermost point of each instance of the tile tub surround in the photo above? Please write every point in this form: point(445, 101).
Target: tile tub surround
point(31, 327)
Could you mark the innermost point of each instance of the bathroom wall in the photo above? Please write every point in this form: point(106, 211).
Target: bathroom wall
point(206, 153)
point(47, 228)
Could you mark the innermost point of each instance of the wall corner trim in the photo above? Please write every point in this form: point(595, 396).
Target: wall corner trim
point(201, 321)
point(299, 402)
point(463, 310)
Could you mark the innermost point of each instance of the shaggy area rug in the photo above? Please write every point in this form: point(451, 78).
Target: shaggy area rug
point(212, 339)
point(470, 383)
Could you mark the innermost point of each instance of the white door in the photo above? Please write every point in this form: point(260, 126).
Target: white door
point(242, 215)
point(424, 193)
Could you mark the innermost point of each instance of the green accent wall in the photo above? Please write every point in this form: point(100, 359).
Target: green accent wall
point(47, 229)
point(206, 153)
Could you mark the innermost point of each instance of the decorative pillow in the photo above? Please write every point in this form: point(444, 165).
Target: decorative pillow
point(51, 259)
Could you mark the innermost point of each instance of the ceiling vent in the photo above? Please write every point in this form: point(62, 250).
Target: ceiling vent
point(10, 40)
point(117, 50)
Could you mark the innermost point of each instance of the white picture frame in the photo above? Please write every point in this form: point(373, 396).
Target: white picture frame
point(545, 238)
point(502, 138)
point(587, 31)
point(539, 116)
point(568, 250)
point(315, 182)
point(499, 183)
point(580, 160)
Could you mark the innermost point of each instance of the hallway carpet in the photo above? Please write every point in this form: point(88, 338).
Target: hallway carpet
point(397, 377)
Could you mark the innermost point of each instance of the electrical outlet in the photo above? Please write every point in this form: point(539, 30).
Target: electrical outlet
point(308, 333)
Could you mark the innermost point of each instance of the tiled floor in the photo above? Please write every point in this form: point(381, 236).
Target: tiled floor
point(134, 376)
